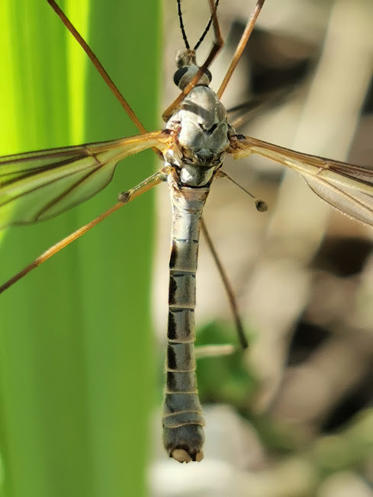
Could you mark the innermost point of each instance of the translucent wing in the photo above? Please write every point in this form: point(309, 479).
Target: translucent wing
point(346, 187)
point(39, 185)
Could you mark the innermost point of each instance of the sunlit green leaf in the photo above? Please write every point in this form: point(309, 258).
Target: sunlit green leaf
point(75, 360)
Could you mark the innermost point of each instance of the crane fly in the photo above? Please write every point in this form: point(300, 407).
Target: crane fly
point(35, 186)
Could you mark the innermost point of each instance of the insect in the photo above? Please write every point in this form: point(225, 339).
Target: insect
point(193, 143)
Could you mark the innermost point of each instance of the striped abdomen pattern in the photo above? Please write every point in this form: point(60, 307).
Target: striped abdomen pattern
point(182, 416)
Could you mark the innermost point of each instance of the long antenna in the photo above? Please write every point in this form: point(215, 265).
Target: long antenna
point(182, 27)
point(218, 43)
point(206, 30)
point(181, 23)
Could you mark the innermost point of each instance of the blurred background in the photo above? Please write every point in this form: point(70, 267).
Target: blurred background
point(77, 367)
point(81, 372)
point(291, 416)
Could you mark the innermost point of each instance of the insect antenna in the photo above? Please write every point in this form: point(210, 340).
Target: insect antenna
point(217, 44)
point(182, 27)
point(206, 30)
point(181, 24)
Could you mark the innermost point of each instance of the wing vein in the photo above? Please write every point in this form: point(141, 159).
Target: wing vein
point(66, 192)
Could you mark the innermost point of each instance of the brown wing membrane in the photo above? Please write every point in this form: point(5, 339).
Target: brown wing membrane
point(347, 187)
point(39, 185)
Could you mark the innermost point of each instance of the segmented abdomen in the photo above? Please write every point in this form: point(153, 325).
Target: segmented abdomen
point(182, 417)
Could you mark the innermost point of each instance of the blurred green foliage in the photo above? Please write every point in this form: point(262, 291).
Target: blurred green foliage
point(224, 379)
point(75, 336)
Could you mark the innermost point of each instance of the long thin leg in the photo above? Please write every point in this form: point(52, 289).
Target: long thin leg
point(124, 198)
point(98, 66)
point(227, 286)
point(241, 46)
point(217, 45)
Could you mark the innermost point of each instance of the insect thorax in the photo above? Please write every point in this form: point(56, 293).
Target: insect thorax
point(202, 133)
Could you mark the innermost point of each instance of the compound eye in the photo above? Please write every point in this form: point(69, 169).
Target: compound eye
point(186, 73)
point(179, 74)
